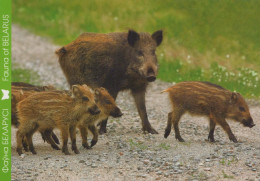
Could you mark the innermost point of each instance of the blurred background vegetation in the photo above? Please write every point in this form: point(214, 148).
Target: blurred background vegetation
point(209, 40)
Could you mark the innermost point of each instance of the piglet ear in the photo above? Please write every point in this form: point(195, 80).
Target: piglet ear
point(103, 89)
point(48, 87)
point(233, 98)
point(158, 37)
point(132, 37)
point(76, 91)
point(96, 92)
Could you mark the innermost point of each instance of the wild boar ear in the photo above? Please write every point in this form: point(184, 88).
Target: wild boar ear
point(233, 98)
point(158, 37)
point(132, 37)
point(76, 91)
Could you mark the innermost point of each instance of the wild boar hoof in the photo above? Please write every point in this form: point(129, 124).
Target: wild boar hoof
point(86, 146)
point(93, 142)
point(19, 151)
point(167, 133)
point(211, 139)
point(76, 151)
point(55, 147)
point(180, 139)
point(233, 139)
point(33, 152)
point(26, 149)
point(102, 131)
point(65, 151)
point(150, 130)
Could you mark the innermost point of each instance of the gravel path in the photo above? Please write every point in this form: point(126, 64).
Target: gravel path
point(125, 153)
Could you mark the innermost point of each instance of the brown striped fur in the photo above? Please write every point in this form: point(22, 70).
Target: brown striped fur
point(107, 106)
point(213, 101)
point(20, 91)
point(48, 110)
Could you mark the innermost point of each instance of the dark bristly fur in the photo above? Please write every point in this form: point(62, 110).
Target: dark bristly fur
point(115, 61)
point(211, 100)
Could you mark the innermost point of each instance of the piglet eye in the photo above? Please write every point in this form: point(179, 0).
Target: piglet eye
point(107, 101)
point(140, 53)
point(85, 99)
point(242, 109)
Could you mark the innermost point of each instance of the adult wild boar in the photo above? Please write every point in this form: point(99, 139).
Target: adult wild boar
point(115, 61)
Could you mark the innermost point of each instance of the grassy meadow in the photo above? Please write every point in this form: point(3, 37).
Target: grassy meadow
point(208, 40)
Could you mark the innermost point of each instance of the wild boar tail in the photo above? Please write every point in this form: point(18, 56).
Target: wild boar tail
point(166, 90)
point(60, 52)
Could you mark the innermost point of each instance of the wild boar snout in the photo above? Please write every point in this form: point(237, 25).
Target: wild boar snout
point(248, 123)
point(94, 110)
point(116, 113)
point(151, 75)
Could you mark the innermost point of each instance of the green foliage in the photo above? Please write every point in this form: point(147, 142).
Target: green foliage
point(207, 30)
point(25, 75)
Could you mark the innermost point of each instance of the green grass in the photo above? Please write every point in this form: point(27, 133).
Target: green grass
point(196, 33)
point(25, 75)
point(228, 162)
point(227, 176)
point(138, 144)
point(164, 146)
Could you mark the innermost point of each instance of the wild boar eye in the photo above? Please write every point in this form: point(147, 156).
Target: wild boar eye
point(242, 109)
point(140, 53)
point(85, 99)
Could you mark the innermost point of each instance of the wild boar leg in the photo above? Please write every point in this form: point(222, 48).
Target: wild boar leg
point(212, 126)
point(94, 131)
point(30, 143)
point(84, 136)
point(29, 138)
point(103, 124)
point(25, 145)
point(72, 130)
point(65, 135)
point(103, 127)
point(223, 123)
point(44, 137)
point(55, 138)
point(176, 116)
point(19, 138)
point(48, 135)
point(139, 97)
point(169, 125)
